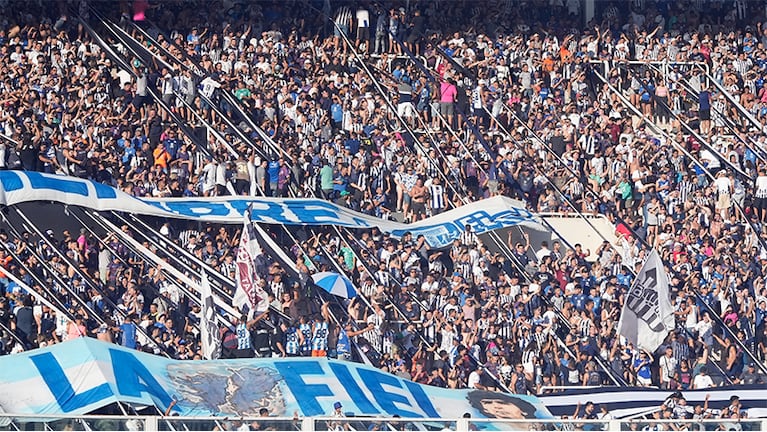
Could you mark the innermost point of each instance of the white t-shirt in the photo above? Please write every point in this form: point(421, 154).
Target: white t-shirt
point(702, 382)
point(363, 18)
point(209, 85)
point(473, 380)
point(542, 253)
point(723, 185)
point(761, 187)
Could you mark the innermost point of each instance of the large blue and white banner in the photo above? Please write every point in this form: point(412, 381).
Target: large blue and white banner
point(82, 375)
point(483, 216)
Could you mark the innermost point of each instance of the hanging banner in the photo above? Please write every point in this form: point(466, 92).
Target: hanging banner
point(439, 231)
point(630, 401)
point(82, 375)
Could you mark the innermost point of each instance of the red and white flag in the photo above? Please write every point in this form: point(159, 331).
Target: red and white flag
point(249, 291)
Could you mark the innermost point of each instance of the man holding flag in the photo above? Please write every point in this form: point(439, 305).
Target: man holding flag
point(647, 315)
point(249, 291)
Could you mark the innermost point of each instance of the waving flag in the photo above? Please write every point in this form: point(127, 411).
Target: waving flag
point(249, 292)
point(210, 338)
point(647, 315)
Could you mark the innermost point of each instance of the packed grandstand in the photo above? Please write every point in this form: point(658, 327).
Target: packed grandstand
point(647, 114)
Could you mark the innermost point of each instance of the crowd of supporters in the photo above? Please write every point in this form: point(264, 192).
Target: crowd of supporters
point(430, 105)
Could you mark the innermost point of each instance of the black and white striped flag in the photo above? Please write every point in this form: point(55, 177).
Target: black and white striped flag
point(210, 338)
point(647, 314)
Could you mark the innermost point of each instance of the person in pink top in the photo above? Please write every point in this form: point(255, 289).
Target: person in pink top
point(662, 112)
point(76, 329)
point(448, 93)
point(82, 241)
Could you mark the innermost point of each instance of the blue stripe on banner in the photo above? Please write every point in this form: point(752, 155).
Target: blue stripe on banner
point(38, 181)
point(104, 192)
point(10, 181)
point(442, 234)
point(194, 208)
point(67, 397)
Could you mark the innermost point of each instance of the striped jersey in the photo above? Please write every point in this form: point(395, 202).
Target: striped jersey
point(292, 345)
point(320, 336)
point(243, 337)
point(306, 330)
point(437, 197)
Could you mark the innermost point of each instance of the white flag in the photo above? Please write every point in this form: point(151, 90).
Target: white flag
point(248, 291)
point(647, 315)
point(210, 338)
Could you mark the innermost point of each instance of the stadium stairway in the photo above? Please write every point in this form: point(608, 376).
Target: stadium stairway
point(669, 140)
point(55, 289)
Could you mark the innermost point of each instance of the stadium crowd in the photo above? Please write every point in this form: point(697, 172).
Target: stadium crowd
point(511, 105)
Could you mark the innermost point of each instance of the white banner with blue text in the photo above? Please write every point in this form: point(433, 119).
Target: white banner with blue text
point(439, 231)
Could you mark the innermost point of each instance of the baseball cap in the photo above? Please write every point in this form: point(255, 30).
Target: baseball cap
point(337, 405)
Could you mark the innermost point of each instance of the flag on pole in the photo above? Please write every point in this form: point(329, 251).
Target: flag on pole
point(248, 291)
point(210, 338)
point(647, 315)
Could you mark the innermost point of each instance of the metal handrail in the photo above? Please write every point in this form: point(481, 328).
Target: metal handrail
point(118, 58)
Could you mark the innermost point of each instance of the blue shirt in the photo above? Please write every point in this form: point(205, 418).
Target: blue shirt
point(343, 346)
point(578, 300)
point(624, 279)
point(704, 99)
point(337, 112)
point(172, 145)
point(128, 339)
point(128, 155)
point(274, 171)
point(344, 182)
point(644, 371)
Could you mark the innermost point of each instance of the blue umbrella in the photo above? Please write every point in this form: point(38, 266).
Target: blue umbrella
point(335, 284)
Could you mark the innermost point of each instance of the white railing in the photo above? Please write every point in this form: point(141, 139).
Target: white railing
point(608, 65)
point(175, 423)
